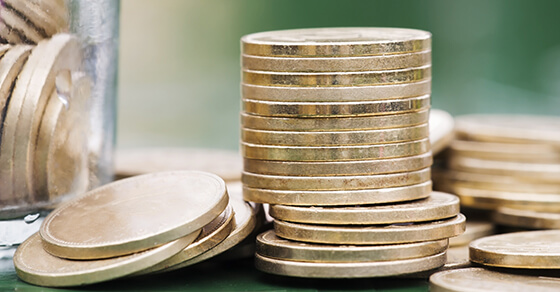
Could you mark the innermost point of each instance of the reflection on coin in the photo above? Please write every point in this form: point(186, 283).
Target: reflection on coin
point(224, 163)
point(339, 198)
point(348, 270)
point(335, 109)
point(334, 153)
point(441, 130)
point(372, 234)
point(474, 230)
point(524, 218)
point(36, 266)
point(332, 168)
point(336, 42)
point(334, 94)
point(525, 250)
point(437, 206)
point(483, 280)
point(333, 183)
point(271, 246)
point(535, 153)
point(134, 214)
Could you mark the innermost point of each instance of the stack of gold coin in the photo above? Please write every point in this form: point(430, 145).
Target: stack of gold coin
point(508, 164)
point(334, 121)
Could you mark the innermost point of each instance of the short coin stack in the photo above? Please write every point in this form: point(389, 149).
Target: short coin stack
point(509, 164)
point(335, 138)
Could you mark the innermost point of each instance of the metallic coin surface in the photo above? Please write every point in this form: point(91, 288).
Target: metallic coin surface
point(335, 109)
point(510, 128)
point(339, 198)
point(348, 270)
point(483, 280)
point(524, 218)
point(534, 153)
point(344, 41)
point(224, 163)
point(441, 130)
point(12, 36)
point(334, 183)
point(474, 230)
point(15, 21)
point(457, 258)
point(271, 246)
point(37, 16)
point(334, 153)
point(525, 250)
point(372, 234)
point(334, 94)
point(36, 266)
point(360, 137)
point(435, 207)
point(134, 214)
point(333, 168)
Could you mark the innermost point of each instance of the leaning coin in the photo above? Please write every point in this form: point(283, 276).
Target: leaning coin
point(372, 234)
point(140, 211)
point(35, 265)
point(483, 280)
point(521, 250)
point(523, 218)
point(441, 130)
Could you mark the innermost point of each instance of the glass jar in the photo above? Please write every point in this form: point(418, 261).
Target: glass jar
point(58, 98)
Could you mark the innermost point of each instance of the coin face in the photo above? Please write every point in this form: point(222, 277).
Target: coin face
point(526, 250)
point(349, 41)
point(482, 280)
point(134, 214)
point(524, 218)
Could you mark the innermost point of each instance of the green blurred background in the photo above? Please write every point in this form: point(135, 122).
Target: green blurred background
point(179, 59)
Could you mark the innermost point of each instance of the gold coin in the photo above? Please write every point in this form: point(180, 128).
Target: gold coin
point(348, 270)
point(134, 214)
point(50, 59)
point(435, 207)
point(332, 79)
point(335, 109)
point(10, 66)
point(336, 94)
point(13, 20)
point(520, 250)
point(319, 124)
point(372, 234)
point(333, 168)
point(271, 246)
point(510, 128)
point(224, 163)
point(526, 218)
point(37, 16)
point(211, 235)
point(35, 265)
point(9, 34)
point(329, 64)
point(339, 198)
point(361, 137)
point(441, 130)
point(504, 183)
point(336, 42)
point(483, 280)
point(334, 153)
point(474, 230)
point(334, 183)
point(535, 153)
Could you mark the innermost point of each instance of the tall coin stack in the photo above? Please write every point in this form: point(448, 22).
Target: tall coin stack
point(335, 137)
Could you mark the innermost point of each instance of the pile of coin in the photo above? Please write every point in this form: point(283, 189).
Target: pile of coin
point(31, 21)
point(335, 137)
point(507, 164)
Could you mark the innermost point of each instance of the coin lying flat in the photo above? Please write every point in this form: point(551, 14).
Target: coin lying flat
point(525, 250)
point(483, 280)
point(436, 207)
point(534, 153)
point(473, 230)
point(335, 109)
point(526, 218)
point(333, 183)
point(441, 130)
point(336, 42)
point(333, 94)
point(504, 183)
point(339, 198)
point(334, 153)
point(329, 124)
point(134, 214)
point(130, 162)
point(368, 235)
point(36, 266)
point(271, 246)
point(360, 137)
point(348, 270)
point(332, 168)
